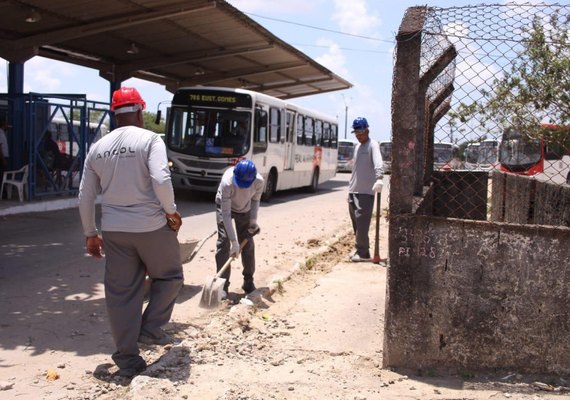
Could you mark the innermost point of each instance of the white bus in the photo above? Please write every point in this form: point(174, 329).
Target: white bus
point(488, 158)
point(210, 129)
point(66, 134)
point(345, 155)
point(386, 151)
point(472, 156)
point(445, 156)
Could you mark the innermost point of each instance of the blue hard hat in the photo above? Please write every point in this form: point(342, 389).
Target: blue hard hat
point(360, 123)
point(244, 173)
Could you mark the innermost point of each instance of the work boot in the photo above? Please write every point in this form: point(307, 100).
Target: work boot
point(248, 285)
point(133, 370)
point(360, 258)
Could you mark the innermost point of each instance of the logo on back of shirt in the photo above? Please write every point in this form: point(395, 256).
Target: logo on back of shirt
point(118, 151)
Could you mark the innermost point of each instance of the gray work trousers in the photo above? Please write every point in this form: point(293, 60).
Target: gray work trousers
point(223, 245)
point(129, 257)
point(360, 209)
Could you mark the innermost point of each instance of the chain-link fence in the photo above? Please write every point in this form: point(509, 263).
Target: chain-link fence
point(494, 98)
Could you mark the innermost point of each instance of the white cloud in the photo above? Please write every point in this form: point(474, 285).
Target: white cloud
point(334, 59)
point(355, 18)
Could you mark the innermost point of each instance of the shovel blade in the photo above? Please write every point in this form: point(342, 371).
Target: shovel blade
point(212, 292)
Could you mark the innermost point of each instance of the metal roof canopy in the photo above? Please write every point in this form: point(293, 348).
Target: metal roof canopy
point(174, 43)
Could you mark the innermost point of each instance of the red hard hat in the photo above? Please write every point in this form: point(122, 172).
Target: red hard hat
point(126, 96)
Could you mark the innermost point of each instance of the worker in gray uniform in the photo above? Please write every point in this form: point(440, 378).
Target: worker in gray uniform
point(237, 199)
point(365, 181)
point(128, 168)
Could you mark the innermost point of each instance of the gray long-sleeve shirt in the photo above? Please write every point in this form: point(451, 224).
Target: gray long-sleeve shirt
point(129, 168)
point(232, 198)
point(368, 167)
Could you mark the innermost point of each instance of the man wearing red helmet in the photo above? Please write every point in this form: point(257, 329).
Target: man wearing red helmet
point(128, 168)
point(237, 198)
point(365, 181)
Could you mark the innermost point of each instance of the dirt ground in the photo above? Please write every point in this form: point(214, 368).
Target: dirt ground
point(316, 335)
point(315, 332)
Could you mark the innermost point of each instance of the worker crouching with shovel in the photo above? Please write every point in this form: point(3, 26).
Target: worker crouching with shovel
point(238, 197)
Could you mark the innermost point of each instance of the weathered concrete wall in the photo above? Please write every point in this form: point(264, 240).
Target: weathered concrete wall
point(523, 200)
point(476, 295)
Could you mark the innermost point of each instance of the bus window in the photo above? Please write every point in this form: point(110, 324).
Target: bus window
point(326, 135)
point(274, 124)
point(289, 125)
point(488, 156)
point(443, 155)
point(260, 137)
point(209, 132)
point(318, 132)
point(334, 136)
point(300, 129)
point(471, 156)
point(309, 131)
point(519, 153)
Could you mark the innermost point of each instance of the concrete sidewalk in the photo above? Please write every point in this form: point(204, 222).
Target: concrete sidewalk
point(12, 207)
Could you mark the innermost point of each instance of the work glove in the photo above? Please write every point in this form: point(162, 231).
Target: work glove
point(174, 221)
point(377, 188)
point(253, 227)
point(234, 248)
point(94, 246)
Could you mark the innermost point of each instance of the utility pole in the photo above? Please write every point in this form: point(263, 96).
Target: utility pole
point(345, 115)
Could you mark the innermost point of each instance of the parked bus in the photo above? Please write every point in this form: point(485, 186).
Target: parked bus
point(445, 156)
point(345, 155)
point(546, 161)
point(386, 151)
point(488, 158)
point(210, 129)
point(66, 134)
point(472, 156)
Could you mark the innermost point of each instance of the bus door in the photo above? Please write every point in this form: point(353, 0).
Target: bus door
point(289, 159)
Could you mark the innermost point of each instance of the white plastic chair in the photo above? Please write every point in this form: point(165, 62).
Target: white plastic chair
point(17, 178)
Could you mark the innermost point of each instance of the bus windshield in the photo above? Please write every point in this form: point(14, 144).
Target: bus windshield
point(488, 152)
point(442, 153)
point(472, 153)
point(386, 151)
point(209, 132)
point(345, 151)
point(518, 152)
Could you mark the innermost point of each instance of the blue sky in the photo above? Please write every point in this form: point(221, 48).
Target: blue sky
point(361, 54)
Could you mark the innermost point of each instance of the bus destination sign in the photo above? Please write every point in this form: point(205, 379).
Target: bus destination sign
point(212, 98)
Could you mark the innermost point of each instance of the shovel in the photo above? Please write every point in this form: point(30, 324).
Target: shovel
point(186, 259)
point(191, 247)
point(213, 289)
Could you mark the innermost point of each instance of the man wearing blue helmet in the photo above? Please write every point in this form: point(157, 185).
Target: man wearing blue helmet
point(238, 197)
point(365, 181)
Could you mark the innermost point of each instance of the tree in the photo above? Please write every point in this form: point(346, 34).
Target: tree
point(149, 124)
point(536, 90)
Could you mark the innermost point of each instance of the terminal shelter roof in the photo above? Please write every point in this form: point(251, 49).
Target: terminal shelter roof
point(174, 43)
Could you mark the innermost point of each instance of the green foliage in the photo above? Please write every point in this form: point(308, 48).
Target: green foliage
point(149, 124)
point(536, 89)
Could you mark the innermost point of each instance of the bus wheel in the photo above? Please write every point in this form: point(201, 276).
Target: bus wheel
point(314, 186)
point(269, 186)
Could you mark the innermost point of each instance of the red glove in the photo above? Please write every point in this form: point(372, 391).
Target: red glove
point(174, 221)
point(94, 245)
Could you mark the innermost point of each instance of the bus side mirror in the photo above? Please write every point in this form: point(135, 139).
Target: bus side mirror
point(157, 119)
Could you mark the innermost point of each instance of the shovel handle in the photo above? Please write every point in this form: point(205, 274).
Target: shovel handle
point(230, 259)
